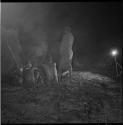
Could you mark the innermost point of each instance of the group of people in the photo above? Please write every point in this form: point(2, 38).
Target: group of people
point(54, 70)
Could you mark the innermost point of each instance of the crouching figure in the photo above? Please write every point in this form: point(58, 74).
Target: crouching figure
point(32, 76)
point(28, 76)
point(50, 70)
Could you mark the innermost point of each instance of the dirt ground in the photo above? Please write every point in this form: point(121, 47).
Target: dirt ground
point(87, 98)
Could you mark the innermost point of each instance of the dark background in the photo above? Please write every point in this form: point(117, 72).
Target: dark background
point(96, 28)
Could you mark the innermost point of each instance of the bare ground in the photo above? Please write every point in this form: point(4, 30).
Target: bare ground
point(87, 98)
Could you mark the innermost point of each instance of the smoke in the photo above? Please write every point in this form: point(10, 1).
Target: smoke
point(41, 24)
point(30, 22)
point(10, 50)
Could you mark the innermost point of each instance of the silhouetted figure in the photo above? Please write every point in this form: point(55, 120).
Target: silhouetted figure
point(66, 53)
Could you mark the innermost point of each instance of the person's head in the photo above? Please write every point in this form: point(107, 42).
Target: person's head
point(67, 29)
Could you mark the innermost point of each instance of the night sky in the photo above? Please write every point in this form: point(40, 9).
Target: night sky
point(95, 26)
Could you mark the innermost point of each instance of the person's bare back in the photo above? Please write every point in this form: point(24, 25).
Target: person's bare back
point(66, 52)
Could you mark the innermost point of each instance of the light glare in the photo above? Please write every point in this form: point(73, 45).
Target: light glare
point(114, 52)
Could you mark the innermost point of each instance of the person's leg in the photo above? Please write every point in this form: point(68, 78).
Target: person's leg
point(70, 69)
point(60, 75)
point(55, 72)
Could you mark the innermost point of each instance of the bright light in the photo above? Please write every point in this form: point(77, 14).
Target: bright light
point(114, 52)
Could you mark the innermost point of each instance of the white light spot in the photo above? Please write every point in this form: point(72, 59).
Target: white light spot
point(114, 52)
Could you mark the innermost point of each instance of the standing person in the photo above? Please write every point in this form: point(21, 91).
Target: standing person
point(66, 52)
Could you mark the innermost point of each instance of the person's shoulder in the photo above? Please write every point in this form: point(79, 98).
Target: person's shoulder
point(71, 35)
